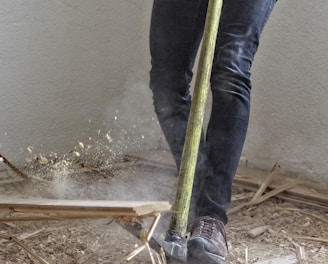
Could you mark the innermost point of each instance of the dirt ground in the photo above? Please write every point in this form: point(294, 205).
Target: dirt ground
point(152, 177)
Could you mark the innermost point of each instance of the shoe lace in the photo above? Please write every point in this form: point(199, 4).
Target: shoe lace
point(208, 226)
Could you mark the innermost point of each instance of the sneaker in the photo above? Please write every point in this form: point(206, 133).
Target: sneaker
point(208, 243)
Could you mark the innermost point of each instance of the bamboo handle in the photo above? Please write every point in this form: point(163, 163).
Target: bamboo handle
point(194, 128)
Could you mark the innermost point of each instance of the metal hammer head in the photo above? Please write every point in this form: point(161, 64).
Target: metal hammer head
point(174, 245)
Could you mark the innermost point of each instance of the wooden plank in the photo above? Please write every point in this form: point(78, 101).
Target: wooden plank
point(83, 209)
point(100, 207)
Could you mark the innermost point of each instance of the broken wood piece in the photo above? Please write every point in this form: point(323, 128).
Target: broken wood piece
point(258, 231)
point(306, 193)
point(158, 259)
point(23, 246)
point(28, 235)
point(163, 256)
point(150, 254)
point(246, 255)
point(316, 239)
point(277, 191)
point(317, 217)
point(153, 226)
point(302, 202)
point(143, 235)
point(261, 199)
point(242, 196)
point(307, 213)
point(265, 183)
point(4, 236)
point(13, 167)
point(238, 207)
point(300, 253)
point(135, 252)
point(27, 249)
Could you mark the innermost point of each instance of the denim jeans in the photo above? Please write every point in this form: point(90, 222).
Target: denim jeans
point(175, 34)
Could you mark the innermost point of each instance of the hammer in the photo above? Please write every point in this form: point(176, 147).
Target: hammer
point(175, 244)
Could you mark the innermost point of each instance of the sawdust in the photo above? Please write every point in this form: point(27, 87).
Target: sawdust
point(286, 223)
point(126, 178)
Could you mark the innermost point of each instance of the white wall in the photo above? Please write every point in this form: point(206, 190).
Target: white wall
point(73, 70)
point(289, 120)
point(65, 67)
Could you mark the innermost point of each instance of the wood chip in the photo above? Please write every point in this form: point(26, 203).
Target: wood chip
point(300, 254)
point(290, 259)
point(317, 239)
point(258, 231)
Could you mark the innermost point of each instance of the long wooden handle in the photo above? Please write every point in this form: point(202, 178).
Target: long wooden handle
point(180, 212)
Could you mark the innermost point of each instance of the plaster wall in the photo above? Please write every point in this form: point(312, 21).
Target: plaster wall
point(289, 116)
point(65, 67)
point(77, 71)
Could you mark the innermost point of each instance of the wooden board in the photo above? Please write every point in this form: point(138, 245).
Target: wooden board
point(85, 207)
point(81, 209)
point(306, 192)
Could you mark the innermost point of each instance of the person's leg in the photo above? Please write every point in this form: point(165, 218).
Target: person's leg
point(240, 27)
point(175, 33)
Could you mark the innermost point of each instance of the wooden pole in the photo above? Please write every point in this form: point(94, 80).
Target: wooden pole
point(180, 213)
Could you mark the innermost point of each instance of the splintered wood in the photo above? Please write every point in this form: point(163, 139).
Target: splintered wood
point(13, 167)
point(259, 196)
point(25, 247)
point(289, 189)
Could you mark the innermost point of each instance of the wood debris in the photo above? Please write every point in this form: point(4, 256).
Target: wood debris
point(25, 247)
point(317, 239)
point(304, 192)
point(258, 231)
point(95, 241)
point(300, 254)
point(13, 167)
point(260, 197)
point(289, 259)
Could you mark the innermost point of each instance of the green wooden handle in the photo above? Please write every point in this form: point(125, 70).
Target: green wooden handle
point(179, 219)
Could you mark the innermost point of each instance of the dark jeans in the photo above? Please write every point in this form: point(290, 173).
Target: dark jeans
point(175, 34)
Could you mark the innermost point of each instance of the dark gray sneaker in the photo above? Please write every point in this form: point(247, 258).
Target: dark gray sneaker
point(208, 242)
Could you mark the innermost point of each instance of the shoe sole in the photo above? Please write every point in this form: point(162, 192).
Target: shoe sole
point(198, 254)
